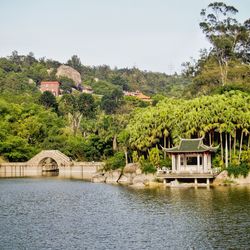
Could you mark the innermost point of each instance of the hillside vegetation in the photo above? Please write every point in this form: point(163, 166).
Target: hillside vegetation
point(210, 99)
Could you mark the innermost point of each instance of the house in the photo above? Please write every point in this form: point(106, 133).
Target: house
point(138, 95)
point(51, 86)
point(143, 97)
point(87, 90)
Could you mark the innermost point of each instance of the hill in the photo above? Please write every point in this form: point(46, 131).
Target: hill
point(102, 78)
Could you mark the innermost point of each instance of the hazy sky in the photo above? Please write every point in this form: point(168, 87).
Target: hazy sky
point(156, 35)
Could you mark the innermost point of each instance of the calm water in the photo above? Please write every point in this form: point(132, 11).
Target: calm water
point(51, 213)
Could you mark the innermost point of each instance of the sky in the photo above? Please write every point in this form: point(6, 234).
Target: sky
point(152, 35)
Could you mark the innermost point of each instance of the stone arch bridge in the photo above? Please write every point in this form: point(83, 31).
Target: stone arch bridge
point(51, 161)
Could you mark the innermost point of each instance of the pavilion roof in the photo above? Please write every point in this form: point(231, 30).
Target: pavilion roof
point(191, 146)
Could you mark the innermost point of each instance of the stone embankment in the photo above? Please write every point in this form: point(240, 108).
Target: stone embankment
point(131, 175)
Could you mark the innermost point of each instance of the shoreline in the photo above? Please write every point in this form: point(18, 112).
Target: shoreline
point(148, 185)
point(131, 175)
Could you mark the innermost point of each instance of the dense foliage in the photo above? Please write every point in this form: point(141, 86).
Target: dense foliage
point(211, 99)
point(226, 64)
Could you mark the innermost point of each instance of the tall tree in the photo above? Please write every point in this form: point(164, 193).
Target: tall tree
point(48, 100)
point(224, 33)
point(77, 106)
point(75, 62)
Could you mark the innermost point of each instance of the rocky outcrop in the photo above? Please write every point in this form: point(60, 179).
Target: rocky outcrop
point(127, 179)
point(69, 72)
point(131, 175)
point(223, 178)
point(131, 168)
point(98, 178)
point(113, 176)
point(144, 179)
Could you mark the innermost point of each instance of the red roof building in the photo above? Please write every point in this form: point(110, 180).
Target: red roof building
point(53, 87)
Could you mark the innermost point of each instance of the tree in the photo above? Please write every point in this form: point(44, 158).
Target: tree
point(75, 62)
point(69, 105)
point(77, 106)
point(118, 80)
point(67, 84)
point(15, 148)
point(226, 35)
point(48, 100)
point(37, 72)
point(87, 105)
point(110, 102)
point(123, 139)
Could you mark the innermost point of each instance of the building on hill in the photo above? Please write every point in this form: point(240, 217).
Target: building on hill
point(138, 95)
point(87, 90)
point(51, 86)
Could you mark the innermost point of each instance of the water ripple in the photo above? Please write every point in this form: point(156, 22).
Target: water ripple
point(64, 214)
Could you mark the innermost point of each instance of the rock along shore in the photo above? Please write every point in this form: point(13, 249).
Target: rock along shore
point(131, 175)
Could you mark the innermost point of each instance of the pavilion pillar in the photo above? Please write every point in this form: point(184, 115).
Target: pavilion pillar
point(178, 163)
point(205, 163)
point(185, 161)
point(195, 181)
point(209, 162)
point(173, 163)
point(208, 181)
point(198, 163)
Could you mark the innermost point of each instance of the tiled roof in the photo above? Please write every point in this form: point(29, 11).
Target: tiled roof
point(51, 82)
point(142, 96)
point(191, 146)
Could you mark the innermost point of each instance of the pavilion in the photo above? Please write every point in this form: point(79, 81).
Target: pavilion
point(191, 159)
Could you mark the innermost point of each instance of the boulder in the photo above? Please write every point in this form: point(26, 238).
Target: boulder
point(99, 178)
point(113, 176)
point(222, 178)
point(31, 81)
point(144, 179)
point(69, 72)
point(138, 171)
point(131, 168)
point(126, 179)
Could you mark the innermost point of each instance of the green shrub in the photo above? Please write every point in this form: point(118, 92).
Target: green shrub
point(167, 163)
point(217, 162)
point(115, 162)
point(154, 156)
point(147, 166)
point(135, 156)
point(237, 170)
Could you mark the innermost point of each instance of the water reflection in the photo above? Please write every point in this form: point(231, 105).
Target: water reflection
point(50, 174)
point(65, 214)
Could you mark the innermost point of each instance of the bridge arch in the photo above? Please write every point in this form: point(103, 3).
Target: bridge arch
point(53, 158)
point(48, 164)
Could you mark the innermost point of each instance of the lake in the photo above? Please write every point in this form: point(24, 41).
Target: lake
point(52, 213)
